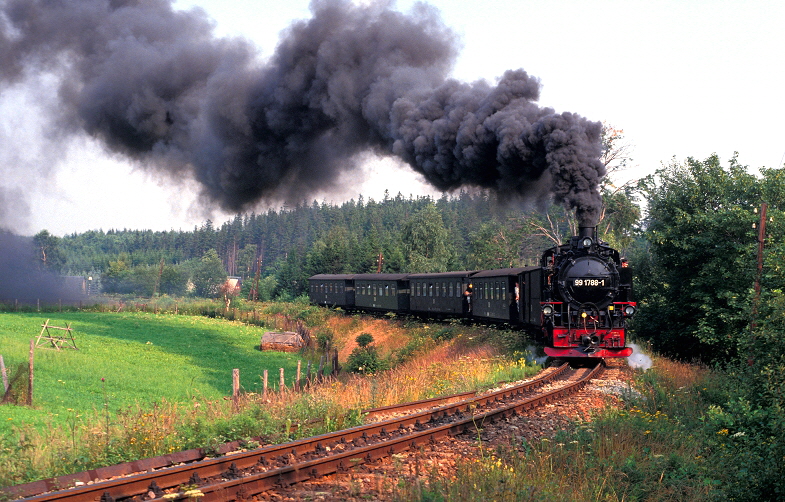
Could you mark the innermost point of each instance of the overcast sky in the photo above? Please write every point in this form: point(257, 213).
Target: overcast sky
point(681, 78)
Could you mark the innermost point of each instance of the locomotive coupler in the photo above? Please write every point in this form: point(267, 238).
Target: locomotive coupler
point(590, 340)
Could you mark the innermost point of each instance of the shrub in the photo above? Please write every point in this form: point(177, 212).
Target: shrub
point(365, 359)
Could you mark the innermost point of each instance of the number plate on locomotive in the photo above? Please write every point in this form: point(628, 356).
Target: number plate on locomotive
point(591, 282)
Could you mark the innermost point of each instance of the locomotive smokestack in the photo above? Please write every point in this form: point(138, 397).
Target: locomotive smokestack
point(590, 232)
point(154, 84)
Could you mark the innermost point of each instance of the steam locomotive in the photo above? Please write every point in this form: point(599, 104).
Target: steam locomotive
point(578, 298)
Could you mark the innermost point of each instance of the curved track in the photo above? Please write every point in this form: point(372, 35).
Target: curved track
point(242, 475)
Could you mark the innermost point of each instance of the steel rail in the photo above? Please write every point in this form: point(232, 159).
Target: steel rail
point(245, 487)
point(165, 478)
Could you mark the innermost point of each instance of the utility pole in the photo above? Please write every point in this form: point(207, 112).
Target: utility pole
point(756, 298)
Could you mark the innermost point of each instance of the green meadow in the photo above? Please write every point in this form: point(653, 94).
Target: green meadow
point(128, 359)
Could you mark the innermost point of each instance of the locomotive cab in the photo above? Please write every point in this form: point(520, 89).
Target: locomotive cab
point(587, 299)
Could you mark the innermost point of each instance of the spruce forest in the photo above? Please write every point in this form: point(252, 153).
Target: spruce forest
point(414, 234)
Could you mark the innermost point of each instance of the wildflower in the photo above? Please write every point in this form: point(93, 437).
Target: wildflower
point(723, 432)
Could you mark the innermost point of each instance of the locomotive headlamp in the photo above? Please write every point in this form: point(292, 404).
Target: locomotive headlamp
point(547, 310)
point(586, 242)
point(583, 314)
point(629, 310)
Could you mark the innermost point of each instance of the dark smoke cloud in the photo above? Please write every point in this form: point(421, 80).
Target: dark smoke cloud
point(23, 282)
point(155, 85)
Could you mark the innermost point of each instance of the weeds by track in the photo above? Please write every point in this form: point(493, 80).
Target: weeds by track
point(241, 475)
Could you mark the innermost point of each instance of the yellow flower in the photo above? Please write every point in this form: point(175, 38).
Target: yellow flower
point(723, 432)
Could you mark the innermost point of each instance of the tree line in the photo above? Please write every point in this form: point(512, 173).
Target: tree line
point(278, 250)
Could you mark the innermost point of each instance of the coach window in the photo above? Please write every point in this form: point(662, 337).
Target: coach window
point(449, 291)
point(387, 290)
point(430, 289)
point(487, 290)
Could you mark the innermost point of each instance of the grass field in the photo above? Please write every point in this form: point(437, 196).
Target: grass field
point(125, 359)
point(143, 384)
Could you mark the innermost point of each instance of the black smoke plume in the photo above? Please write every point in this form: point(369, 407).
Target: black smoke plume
point(24, 282)
point(156, 85)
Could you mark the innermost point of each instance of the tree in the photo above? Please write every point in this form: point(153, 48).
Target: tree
point(495, 245)
point(49, 254)
point(209, 275)
point(116, 278)
point(174, 280)
point(333, 254)
point(425, 239)
point(620, 217)
point(701, 258)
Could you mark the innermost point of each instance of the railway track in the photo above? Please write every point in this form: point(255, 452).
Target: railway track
point(242, 475)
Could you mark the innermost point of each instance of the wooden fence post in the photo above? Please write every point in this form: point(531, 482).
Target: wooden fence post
point(320, 372)
point(5, 375)
point(264, 391)
point(30, 382)
point(297, 382)
point(236, 386)
point(308, 374)
point(281, 382)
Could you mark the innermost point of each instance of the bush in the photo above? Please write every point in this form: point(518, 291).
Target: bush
point(365, 359)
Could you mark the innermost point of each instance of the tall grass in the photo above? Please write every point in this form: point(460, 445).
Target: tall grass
point(654, 448)
point(144, 384)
